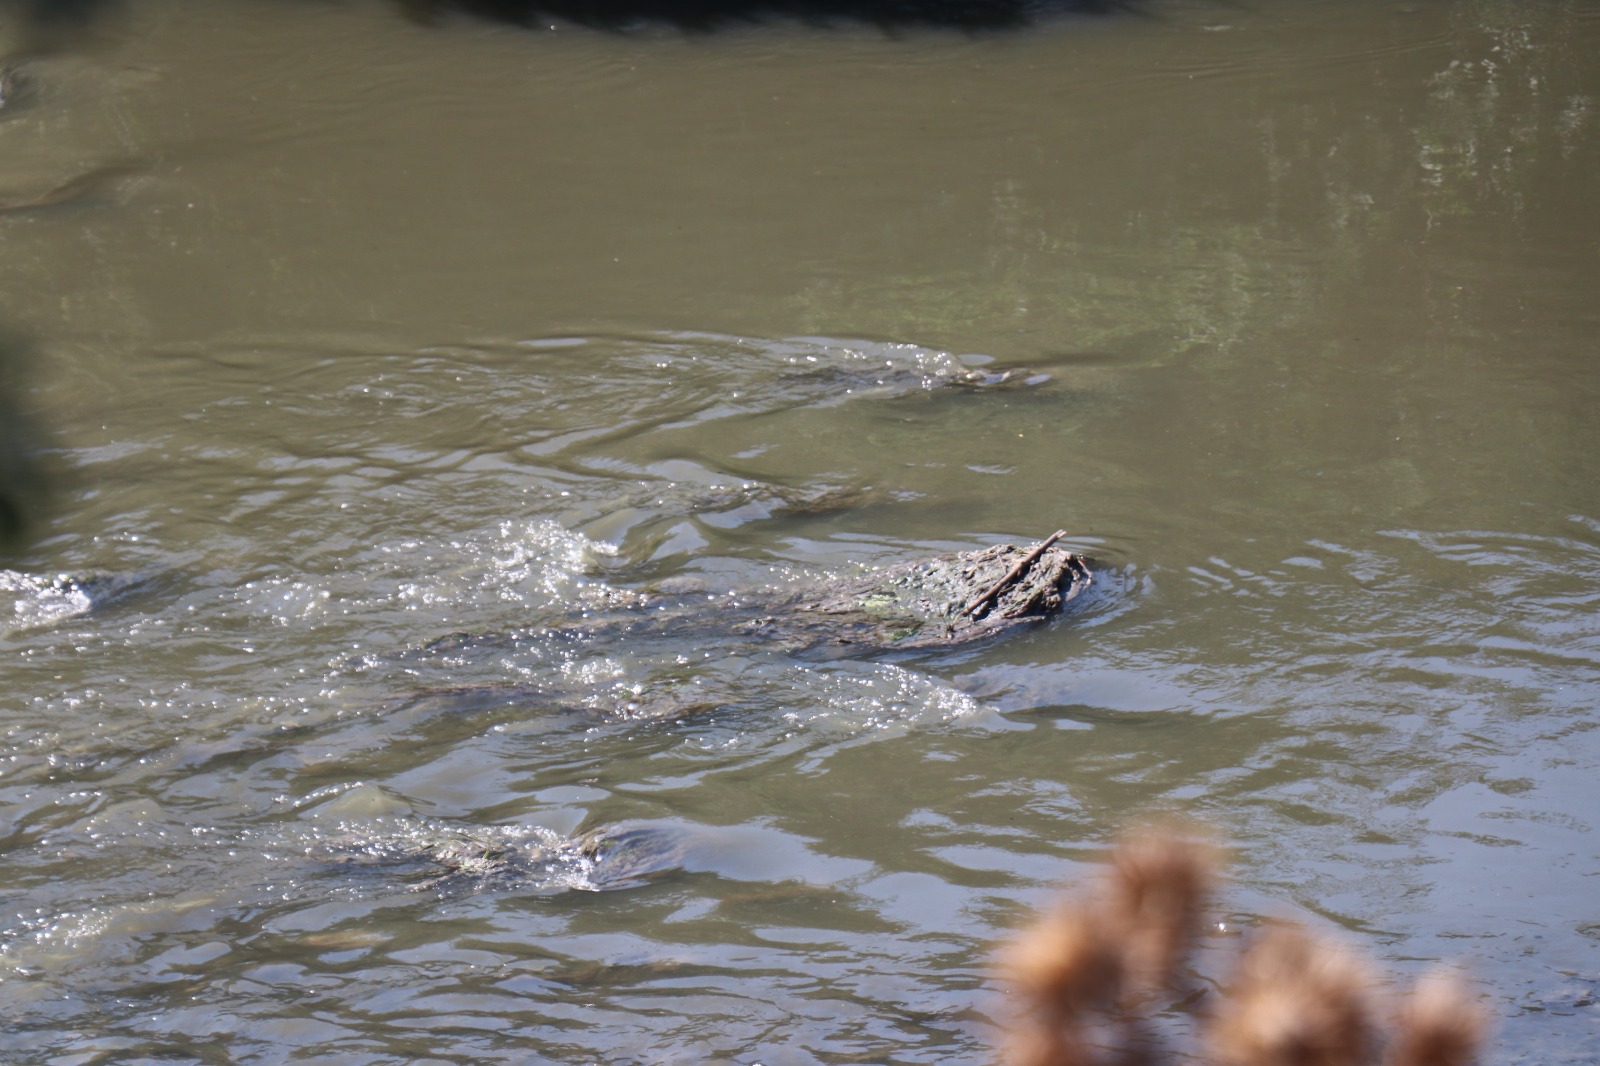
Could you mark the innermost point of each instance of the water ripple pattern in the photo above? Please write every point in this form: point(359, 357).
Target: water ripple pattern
point(445, 422)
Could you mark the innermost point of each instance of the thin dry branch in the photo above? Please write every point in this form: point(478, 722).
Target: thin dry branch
point(1015, 572)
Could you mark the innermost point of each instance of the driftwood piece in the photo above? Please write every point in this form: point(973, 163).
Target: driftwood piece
point(1015, 572)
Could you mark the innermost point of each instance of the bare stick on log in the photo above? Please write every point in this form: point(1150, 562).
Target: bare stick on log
point(1015, 572)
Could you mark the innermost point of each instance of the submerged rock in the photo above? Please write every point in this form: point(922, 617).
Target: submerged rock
point(942, 601)
point(445, 858)
point(939, 602)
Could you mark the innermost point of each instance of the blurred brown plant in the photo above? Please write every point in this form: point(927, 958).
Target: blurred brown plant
point(1295, 999)
point(1081, 974)
point(1440, 1024)
point(1087, 964)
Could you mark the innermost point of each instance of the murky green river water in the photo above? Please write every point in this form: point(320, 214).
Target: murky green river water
point(357, 332)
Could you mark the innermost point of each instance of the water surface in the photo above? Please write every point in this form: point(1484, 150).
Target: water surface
point(350, 332)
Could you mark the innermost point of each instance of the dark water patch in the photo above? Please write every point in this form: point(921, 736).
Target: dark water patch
point(708, 15)
point(25, 472)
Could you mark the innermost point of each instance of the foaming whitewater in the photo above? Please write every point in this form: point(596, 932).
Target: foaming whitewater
point(38, 602)
point(534, 563)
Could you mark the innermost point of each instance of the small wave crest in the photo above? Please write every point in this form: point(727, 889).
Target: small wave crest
point(534, 563)
point(38, 602)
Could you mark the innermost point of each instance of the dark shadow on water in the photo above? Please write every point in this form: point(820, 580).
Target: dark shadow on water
point(33, 28)
point(52, 21)
point(708, 15)
point(23, 485)
point(48, 25)
point(63, 13)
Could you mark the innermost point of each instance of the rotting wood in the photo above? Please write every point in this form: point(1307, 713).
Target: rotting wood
point(1014, 573)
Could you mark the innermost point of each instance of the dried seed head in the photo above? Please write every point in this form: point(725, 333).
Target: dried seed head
point(1039, 1044)
point(1296, 1000)
point(1441, 1024)
point(1157, 888)
point(1064, 966)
